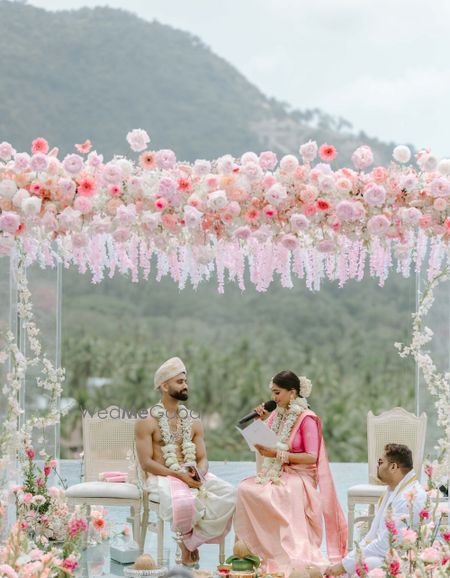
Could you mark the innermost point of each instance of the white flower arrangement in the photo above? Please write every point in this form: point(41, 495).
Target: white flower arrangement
point(438, 384)
point(282, 425)
point(169, 449)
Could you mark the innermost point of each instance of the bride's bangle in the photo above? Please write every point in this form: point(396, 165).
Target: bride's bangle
point(283, 456)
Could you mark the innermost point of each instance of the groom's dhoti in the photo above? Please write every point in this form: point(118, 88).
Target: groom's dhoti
point(202, 516)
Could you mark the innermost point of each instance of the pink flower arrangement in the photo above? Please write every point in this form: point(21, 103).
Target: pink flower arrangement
point(87, 201)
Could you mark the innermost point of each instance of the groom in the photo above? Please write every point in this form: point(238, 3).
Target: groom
point(172, 453)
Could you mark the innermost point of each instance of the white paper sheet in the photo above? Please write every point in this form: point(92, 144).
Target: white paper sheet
point(259, 433)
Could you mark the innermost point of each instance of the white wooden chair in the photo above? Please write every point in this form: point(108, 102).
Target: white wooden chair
point(107, 443)
point(394, 426)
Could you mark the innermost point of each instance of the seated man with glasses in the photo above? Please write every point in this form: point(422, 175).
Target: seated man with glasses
point(395, 469)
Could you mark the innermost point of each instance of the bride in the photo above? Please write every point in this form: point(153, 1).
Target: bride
point(279, 512)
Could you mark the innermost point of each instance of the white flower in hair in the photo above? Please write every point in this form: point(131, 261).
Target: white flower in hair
point(305, 386)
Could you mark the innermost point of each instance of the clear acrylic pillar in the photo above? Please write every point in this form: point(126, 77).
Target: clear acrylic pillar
point(45, 286)
point(438, 320)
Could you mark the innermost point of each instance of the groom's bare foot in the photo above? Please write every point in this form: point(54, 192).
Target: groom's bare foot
point(189, 557)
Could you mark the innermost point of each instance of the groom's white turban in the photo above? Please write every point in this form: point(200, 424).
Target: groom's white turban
point(170, 368)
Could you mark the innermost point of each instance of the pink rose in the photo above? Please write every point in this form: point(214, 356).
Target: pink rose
point(326, 246)
point(9, 222)
point(362, 157)
point(242, 233)
point(289, 241)
point(425, 221)
point(121, 234)
point(299, 222)
point(252, 171)
point(26, 498)
point(167, 187)
point(212, 182)
point(309, 194)
point(267, 160)
point(165, 159)
point(379, 175)
point(344, 211)
point(430, 555)
point(344, 184)
point(378, 225)
point(288, 164)
point(374, 194)
point(309, 210)
point(440, 204)
point(83, 204)
point(268, 181)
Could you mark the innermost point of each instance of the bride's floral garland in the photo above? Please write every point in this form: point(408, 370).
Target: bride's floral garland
point(169, 450)
point(282, 425)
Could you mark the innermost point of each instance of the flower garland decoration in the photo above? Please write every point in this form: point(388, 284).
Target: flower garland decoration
point(169, 449)
point(438, 383)
point(282, 425)
point(291, 216)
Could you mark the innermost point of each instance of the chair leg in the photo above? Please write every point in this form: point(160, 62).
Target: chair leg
point(160, 539)
point(351, 522)
point(222, 552)
point(135, 514)
point(144, 526)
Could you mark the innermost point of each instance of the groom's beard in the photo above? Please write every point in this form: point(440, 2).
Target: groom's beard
point(179, 395)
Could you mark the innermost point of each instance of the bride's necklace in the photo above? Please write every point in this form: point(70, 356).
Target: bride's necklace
point(282, 425)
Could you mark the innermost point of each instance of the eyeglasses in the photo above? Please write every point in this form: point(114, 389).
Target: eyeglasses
point(380, 461)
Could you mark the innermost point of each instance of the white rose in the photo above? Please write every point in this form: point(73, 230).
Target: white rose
point(427, 162)
point(21, 195)
point(217, 200)
point(401, 154)
point(288, 164)
point(276, 194)
point(249, 157)
point(192, 217)
point(444, 167)
point(31, 206)
point(308, 151)
point(8, 188)
point(138, 139)
point(201, 167)
point(126, 166)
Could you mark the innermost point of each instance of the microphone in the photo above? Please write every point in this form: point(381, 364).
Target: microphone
point(268, 406)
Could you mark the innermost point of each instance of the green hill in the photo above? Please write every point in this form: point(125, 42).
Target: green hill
point(97, 73)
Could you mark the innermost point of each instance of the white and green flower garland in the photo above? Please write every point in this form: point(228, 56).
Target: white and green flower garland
point(169, 449)
point(282, 425)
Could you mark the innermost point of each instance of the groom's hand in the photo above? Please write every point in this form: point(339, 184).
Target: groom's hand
point(266, 452)
point(189, 480)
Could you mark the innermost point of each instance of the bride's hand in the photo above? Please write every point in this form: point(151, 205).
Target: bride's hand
point(266, 452)
point(262, 413)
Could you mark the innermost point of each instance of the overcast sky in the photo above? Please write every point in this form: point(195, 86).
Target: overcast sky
point(381, 64)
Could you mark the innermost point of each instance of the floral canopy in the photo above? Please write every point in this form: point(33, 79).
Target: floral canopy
point(290, 216)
